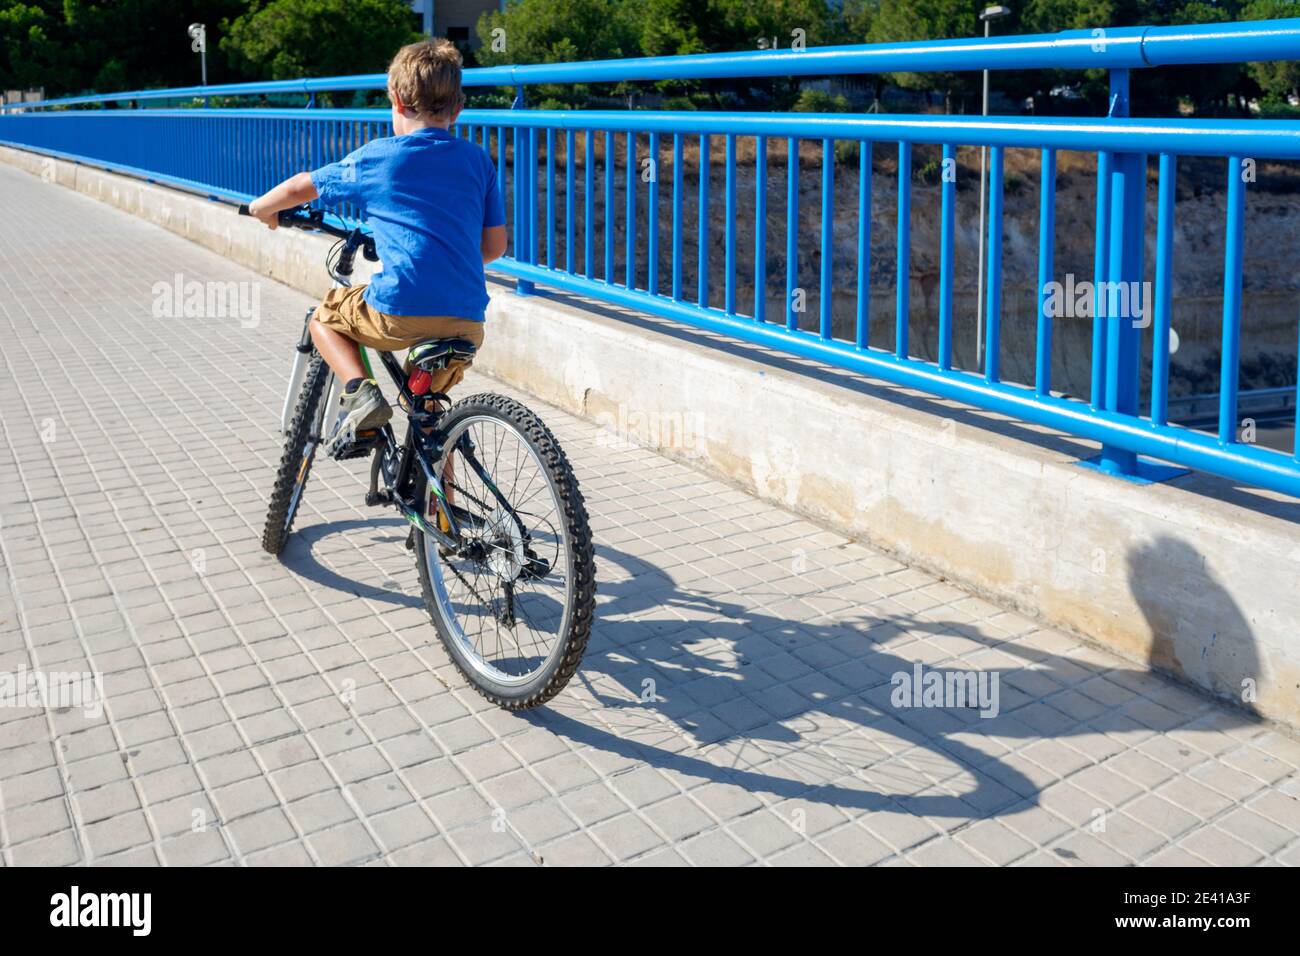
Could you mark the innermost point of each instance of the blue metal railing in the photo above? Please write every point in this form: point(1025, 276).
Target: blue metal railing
point(1104, 48)
point(548, 163)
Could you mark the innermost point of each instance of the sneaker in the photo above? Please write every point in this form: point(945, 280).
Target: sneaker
point(361, 410)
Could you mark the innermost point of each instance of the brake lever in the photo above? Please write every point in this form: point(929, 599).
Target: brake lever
point(303, 213)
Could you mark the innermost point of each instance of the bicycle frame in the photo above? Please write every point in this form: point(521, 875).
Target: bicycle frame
point(421, 431)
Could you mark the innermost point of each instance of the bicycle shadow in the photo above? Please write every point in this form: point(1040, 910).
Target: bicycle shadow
point(709, 654)
point(301, 558)
point(713, 640)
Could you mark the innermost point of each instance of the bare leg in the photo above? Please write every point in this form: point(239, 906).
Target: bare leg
point(448, 476)
point(340, 353)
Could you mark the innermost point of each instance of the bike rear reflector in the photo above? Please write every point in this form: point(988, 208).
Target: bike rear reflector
point(418, 381)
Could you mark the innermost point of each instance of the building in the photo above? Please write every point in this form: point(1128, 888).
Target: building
point(454, 19)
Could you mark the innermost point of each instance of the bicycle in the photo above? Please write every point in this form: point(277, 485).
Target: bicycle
point(509, 584)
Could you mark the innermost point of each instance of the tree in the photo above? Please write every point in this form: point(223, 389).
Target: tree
point(1279, 80)
point(1199, 88)
point(675, 27)
point(285, 39)
point(550, 31)
point(902, 20)
point(134, 44)
point(30, 50)
point(1206, 88)
point(858, 17)
point(543, 31)
point(69, 46)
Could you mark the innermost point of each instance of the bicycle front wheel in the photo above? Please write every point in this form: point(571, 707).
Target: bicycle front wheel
point(301, 442)
point(514, 608)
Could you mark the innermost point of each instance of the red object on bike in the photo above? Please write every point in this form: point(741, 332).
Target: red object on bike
point(418, 381)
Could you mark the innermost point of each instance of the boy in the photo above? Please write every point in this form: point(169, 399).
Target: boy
point(434, 205)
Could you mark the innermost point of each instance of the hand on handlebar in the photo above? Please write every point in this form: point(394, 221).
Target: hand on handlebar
point(305, 217)
point(294, 215)
point(270, 219)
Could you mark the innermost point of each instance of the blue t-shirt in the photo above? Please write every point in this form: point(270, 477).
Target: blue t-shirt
point(427, 196)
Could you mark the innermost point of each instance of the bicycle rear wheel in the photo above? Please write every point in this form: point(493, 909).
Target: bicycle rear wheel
point(301, 442)
point(515, 610)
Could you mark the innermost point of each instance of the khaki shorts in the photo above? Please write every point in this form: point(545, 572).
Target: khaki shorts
point(347, 312)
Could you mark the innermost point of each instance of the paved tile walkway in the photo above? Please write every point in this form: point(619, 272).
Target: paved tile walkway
point(734, 707)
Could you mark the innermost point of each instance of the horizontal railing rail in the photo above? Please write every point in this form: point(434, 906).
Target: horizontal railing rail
point(1102, 48)
point(1261, 139)
point(637, 209)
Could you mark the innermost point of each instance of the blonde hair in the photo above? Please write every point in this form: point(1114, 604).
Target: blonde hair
point(425, 77)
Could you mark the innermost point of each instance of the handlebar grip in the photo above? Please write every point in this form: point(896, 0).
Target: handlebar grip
point(243, 209)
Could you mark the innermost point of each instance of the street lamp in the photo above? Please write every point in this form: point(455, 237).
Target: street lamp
point(988, 15)
point(198, 34)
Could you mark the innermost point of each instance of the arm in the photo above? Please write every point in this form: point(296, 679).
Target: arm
point(294, 191)
point(493, 245)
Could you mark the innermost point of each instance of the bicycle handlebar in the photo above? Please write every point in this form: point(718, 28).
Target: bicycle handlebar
point(305, 217)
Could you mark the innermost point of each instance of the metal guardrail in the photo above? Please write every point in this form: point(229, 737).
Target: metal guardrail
point(235, 154)
point(1102, 48)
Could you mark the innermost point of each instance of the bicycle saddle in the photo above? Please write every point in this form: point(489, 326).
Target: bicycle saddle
point(438, 353)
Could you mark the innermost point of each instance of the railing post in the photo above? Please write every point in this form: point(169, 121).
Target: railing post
point(1123, 271)
point(523, 208)
point(1120, 305)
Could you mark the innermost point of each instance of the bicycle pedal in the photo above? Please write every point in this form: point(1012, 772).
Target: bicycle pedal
point(350, 451)
point(365, 442)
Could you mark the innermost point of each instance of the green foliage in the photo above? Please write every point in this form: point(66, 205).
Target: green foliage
point(858, 17)
point(670, 27)
point(817, 101)
point(901, 20)
point(549, 31)
point(29, 50)
point(1282, 79)
point(1272, 107)
point(284, 39)
point(543, 31)
point(69, 46)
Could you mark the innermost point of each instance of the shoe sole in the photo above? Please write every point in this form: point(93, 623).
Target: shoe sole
point(371, 416)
